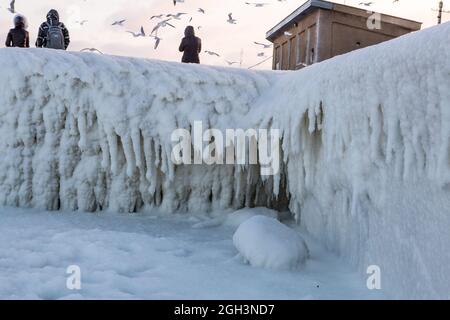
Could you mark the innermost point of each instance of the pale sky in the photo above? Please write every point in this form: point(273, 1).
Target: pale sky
point(217, 35)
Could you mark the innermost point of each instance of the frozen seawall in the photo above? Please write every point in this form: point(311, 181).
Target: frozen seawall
point(88, 132)
point(365, 145)
point(367, 149)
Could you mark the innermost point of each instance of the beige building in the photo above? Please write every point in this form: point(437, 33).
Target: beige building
point(320, 30)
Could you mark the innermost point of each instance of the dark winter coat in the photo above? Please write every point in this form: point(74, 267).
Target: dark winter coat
point(18, 37)
point(52, 20)
point(191, 46)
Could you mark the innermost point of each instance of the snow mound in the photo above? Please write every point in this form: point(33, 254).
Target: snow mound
point(265, 242)
point(238, 217)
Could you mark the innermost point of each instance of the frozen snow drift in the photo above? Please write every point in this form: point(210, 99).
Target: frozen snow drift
point(365, 145)
point(265, 242)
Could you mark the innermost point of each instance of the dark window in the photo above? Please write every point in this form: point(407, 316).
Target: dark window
point(278, 58)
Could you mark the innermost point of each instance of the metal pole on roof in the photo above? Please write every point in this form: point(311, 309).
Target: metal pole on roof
point(440, 11)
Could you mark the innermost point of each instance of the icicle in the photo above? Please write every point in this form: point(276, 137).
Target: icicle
point(167, 166)
point(312, 120)
point(164, 159)
point(137, 149)
point(114, 150)
point(129, 155)
point(82, 128)
point(106, 157)
point(150, 154)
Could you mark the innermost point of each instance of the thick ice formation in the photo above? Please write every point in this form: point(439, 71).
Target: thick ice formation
point(367, 149)
point(235, 219)
point(84, 132)
point(267, 243)
point(365, 145)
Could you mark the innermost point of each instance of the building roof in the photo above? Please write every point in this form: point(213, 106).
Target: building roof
point(312, 5)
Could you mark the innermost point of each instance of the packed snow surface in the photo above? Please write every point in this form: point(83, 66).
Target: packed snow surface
point(151, 256)
point(265, 242)
point(365, 146)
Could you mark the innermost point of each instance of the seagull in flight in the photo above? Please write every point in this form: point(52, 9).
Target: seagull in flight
point(265, 46)
point(230, 19)
point(12, 5)
point(118, 23)
point(91, 50)
point(176, 16)
point(158, 16)
point(82, 22)
point(157, 41)
point(162, 24)
point(212, 53)
point(257, 4)
point(141, 33)
point(367, 4)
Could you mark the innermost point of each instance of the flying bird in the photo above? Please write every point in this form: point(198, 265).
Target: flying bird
point(230, 19)
point(141, 33)
point(257, 4)
point(82, 22)
point(158, 16)
point(12, 5)
point(367, 4)
point(91, 50)
point(176, 16)
point(265, 46)
point(212, 53)
point(162, 24)
point(157, 41)
point(118, 23)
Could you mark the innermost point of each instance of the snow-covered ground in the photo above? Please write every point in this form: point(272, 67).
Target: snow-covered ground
point(152, 257)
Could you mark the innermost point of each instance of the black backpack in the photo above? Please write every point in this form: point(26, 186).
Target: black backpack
point(55, 37)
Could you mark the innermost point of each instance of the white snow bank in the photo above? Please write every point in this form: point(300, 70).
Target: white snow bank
point(265, 242)
point(139, 257)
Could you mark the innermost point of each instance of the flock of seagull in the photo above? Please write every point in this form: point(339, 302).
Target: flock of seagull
point(166, 21)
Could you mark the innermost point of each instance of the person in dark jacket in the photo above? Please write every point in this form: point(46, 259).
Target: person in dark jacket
point(191, 46)
point(51, 25)
point(18, 37)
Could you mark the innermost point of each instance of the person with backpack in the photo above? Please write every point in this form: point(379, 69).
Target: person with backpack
point(191, 46)
point(53, 34)
point(18, 37)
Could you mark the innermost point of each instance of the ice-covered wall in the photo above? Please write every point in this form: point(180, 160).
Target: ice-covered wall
point(366, 145)
point(88, 132)
point(367, 148)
